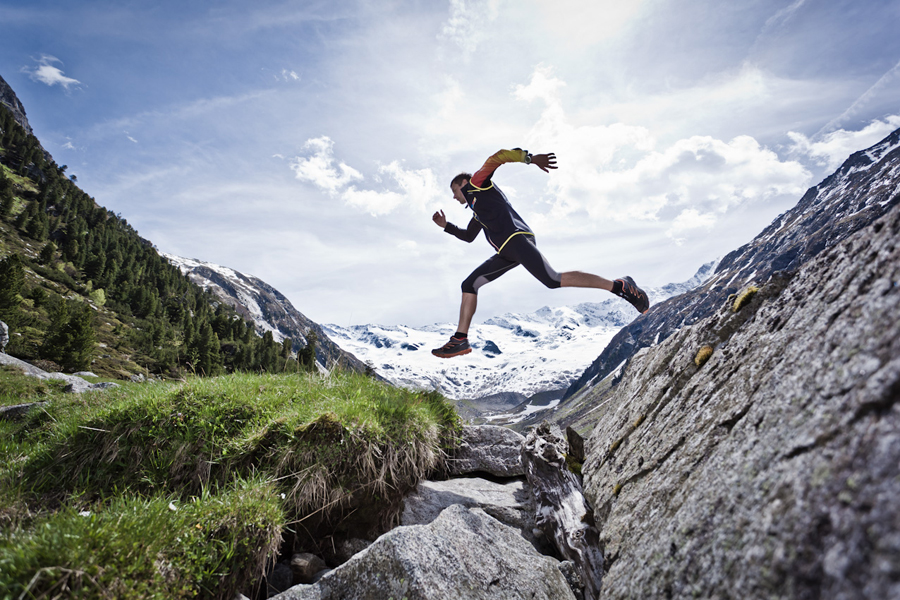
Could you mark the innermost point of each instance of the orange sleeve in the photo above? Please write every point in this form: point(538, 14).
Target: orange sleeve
point(484, 174)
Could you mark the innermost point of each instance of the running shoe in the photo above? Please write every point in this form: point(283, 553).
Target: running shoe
point(631, 292)
point(455, 347)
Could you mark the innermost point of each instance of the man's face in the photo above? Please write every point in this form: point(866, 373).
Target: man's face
point(457, 191)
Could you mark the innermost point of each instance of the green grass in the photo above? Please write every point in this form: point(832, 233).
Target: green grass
point(330, 452)
point(16, 388)
point(130, 547)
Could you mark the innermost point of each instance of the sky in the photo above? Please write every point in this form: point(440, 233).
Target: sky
point(308, 143)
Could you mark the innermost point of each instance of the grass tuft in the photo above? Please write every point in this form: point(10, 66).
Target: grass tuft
point(210, 546)
point(744, 298)
point(243, 456)
point(703, 355)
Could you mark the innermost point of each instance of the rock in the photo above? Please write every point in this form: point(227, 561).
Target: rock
point(576, 445)
point(567, 567)
point(464, 554)
point(508, 502)
point(305, 566)
point(83, 374)
point(773, 468)
point(138, 378)
point(4, 335)
point(17, 411)
point(348, 548)
point(279, 579)
point(561, 512)
point(488, 449)
point(74, 385)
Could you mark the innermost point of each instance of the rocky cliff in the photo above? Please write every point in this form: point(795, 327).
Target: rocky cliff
point(863, 189)
point(9, 99)
point(264, 306)
point(772, 469)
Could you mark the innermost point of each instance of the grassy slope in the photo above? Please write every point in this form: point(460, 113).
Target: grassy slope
point(191, 486)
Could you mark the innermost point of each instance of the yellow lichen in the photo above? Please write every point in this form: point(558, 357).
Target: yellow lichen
point(638, 421)
point(614, 445)
point(616, 489)
point(744, 297)
point(703, 355)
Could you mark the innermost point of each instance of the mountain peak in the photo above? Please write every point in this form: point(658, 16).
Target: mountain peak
point(9, 99)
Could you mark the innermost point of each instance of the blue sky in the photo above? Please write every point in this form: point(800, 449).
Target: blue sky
point(308, 143)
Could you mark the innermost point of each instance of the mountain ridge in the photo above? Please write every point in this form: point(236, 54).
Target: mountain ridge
point(267, 308)
point(524, 354)
point(860, 191)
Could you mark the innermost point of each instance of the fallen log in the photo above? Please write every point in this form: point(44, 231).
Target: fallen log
point(562, 513)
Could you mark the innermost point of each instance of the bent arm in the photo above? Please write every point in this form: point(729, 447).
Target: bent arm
point(483, 175)
point(468, 234)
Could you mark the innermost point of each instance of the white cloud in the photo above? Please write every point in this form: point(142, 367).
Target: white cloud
point(320, 168)
point(580, 24)
point(618, 172)
point(49, 74)
point(690, 219)
point(465, 26)
point(834, 148)
point(418, 188)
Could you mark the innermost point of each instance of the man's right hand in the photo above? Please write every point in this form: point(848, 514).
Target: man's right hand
point(440, 219)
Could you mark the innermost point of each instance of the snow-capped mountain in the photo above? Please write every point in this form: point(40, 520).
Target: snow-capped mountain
point(862, 190)
point(515, 353)
point(265, 306)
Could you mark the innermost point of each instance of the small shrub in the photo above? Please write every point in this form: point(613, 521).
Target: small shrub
point(744, 297)
point(703, 355)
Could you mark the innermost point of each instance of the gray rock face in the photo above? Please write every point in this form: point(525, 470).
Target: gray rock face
point(508, 502)
point(861, 191)
point(462, 555)
point(9, 99)
point(773, 469)
point(488, 449)
point(305, 566)
point(4, 335)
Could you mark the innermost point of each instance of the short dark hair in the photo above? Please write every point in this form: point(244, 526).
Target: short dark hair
point(459, 178)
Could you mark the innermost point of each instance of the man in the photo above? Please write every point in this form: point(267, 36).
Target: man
point(514, 243)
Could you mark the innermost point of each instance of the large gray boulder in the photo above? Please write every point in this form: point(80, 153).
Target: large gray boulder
point(772, 470)
point(464, 554)
point(75, 385)
point(509, 502)
point(488, 449)
point(4, 336)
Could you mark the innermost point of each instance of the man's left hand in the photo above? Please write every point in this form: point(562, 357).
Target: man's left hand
point(544, 161)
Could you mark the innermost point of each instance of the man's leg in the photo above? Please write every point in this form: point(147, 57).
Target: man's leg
point(585, 280)
point(488, 271)
point(523, 249)
point(467, 311)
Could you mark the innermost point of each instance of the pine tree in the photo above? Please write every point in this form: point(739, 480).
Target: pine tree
point(307, 356)
point(12, 278)
point(47, 253)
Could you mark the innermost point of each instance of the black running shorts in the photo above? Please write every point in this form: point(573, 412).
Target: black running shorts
point(519, 250)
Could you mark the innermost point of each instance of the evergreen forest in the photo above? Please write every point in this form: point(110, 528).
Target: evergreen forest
point(81, 290)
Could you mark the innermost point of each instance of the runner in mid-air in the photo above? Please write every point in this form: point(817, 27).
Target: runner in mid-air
point(514, 242)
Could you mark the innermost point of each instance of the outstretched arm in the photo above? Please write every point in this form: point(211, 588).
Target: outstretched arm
point(483, 175)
